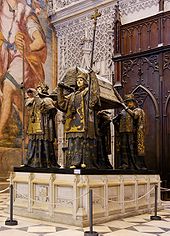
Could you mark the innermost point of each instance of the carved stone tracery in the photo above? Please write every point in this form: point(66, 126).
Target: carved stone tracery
point(129, 7)
point(72, 43)
point(64, 3)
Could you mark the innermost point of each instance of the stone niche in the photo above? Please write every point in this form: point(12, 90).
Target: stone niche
point(64, 198)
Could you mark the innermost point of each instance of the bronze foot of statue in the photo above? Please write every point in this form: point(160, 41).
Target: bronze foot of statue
point(123, 167)
point(72, 167)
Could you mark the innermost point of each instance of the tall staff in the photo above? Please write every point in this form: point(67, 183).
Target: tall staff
point(23, 106)
point(93, 17)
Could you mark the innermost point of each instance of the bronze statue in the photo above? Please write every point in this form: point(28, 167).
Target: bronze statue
point(80, 108)
point(130, 126)
point(41, 128)
point(104, 139)
point(80, 125)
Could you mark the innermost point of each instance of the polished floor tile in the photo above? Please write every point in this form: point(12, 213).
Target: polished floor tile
point(159, 223)
point(166, 219)
point(149, 229)
point(120, 224)
point(165, 234)
point(125, 232)
point(135, 219)
point(99, 228)
point(67, 233)
point(20, 224)
point(15, 232)
point(41, 229)
point(140, 225)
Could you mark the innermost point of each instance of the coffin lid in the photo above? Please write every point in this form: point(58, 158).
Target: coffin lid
point(108, 97)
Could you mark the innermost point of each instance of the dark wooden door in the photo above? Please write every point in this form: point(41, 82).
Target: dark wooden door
point(141, 77)
point(166, 116)
point(142, 66)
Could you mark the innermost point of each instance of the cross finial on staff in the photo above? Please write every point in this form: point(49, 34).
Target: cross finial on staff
point(95, 15)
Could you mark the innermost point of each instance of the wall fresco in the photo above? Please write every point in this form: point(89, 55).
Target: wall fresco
point(25, 61)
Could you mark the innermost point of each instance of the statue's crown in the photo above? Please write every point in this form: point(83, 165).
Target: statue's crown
point(44, 87)
point(82, 75)
point(129, 97)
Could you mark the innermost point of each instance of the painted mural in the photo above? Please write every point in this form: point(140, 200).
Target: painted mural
point(25, 61)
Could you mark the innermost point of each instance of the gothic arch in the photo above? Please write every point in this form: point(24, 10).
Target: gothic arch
point(166, 104)
point(141, 87)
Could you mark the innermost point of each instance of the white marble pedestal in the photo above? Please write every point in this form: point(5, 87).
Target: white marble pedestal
point(64, 198)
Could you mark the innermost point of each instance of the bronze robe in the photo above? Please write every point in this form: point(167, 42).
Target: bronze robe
point(80, 130)
point(41, 132)
point(130, 130)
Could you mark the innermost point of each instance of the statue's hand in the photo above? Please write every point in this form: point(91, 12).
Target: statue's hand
point(61, 84)
point(31, 92)
point(90, 70)
point(105, 114)
point(124, 106)
point(64, 86)
point(116, 118)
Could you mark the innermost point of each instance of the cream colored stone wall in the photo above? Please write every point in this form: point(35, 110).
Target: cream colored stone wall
point(133, 10)
point(139, 9)
point(167, 5)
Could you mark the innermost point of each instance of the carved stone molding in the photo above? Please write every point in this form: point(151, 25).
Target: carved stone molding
point(60, 9)
point(63, 3)
point(132, 6)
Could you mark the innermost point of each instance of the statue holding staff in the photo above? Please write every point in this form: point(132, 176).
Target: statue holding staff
point(130, 127)
point(80, 131)
point(80, 116)
point(41, 128)
point(80, 98)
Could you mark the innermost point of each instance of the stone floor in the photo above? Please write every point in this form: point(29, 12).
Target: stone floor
point(132, 226)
